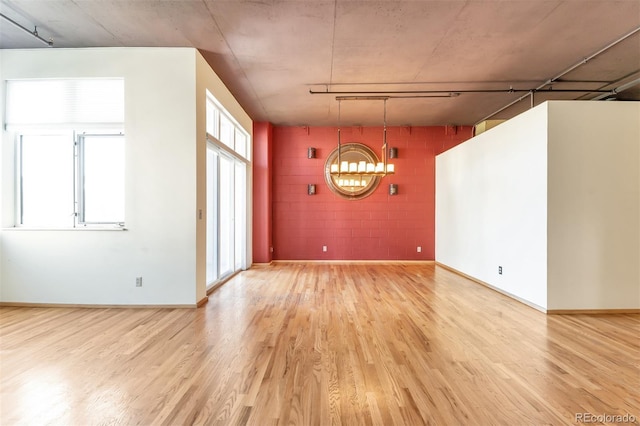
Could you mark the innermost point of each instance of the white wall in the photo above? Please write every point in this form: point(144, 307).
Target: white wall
point(206, 79)
point(552, 195)
point(99, 267)
point(491, 207)
point(594, 205)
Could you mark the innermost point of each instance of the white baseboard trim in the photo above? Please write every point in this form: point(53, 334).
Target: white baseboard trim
point(97, 306)
point(496, 289)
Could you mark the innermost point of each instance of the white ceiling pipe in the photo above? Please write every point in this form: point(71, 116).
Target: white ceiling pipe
point(565, 72)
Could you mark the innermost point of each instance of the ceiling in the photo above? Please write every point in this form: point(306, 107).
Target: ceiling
point(272, 53)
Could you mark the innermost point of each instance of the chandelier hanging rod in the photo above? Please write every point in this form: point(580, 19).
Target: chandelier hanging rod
point(362, 169)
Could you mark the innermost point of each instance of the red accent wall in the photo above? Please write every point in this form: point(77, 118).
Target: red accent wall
point(379, 227)
point(262, 190)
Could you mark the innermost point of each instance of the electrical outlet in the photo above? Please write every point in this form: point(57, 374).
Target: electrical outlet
point(419, 249)
point(324, 248)
point(271, 249)
point(499, 270)
point(138, 281)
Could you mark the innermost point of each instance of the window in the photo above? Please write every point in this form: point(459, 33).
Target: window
point(100, 179)
point(46, 180)
point(70, 151)
point(222, 126)
point(65, 103)
point(67, 181)
point(228, 163)
point(226, 131)
point(241, 142)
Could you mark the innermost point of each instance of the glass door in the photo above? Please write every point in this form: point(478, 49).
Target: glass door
point(226, 210)
point(226, 214)
point(240, 214)
point(212, 215)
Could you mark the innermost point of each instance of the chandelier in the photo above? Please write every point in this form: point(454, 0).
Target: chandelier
point(358, 174)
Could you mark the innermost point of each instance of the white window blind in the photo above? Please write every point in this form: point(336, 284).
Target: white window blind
point(37, 103)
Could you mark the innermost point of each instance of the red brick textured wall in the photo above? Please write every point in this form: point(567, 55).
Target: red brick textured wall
point(379, 227)
point(262, 190)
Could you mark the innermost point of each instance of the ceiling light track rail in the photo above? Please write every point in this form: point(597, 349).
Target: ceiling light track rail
point(377, 98)
point(25, 29)
point(545, 87)
point(619, 89)
point(593, 55)
point(375, 95)
point(565, 72)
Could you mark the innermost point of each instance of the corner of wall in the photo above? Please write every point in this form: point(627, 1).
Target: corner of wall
point(262, 192)
point(491, 207)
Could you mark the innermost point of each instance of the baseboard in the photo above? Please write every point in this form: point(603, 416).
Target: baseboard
point(215, 287)
point(592, 311)
point(83, 305)
point(360, 262)
point(202, 302)
point(496, 289)
point(261, 265)
point(219, 284)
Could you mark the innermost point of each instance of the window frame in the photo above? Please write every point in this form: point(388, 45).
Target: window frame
point(215, 114)
point(76, 140)
point(79, 180)
point(19, 180)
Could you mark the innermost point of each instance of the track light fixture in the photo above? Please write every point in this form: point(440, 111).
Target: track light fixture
point(33, 33)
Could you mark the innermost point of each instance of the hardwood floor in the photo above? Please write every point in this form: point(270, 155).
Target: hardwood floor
point(320, 344)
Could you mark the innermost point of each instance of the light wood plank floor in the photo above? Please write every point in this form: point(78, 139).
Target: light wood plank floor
point(314, 344)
